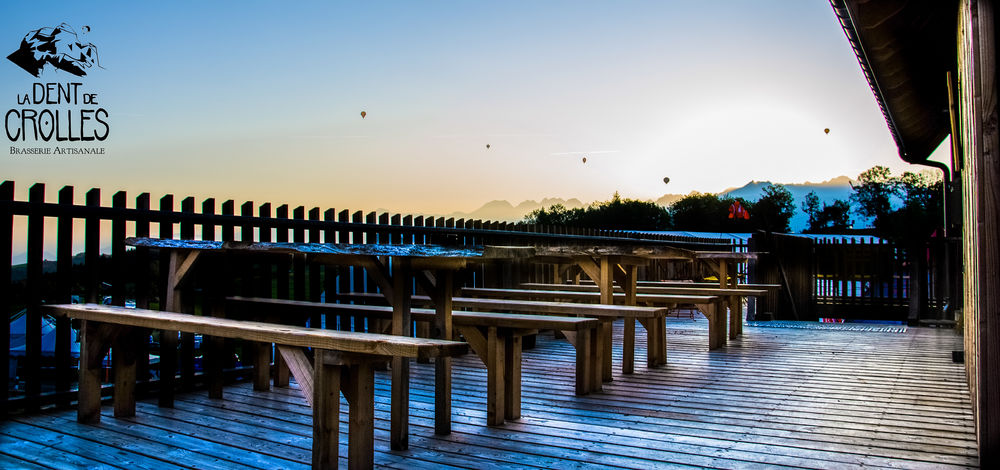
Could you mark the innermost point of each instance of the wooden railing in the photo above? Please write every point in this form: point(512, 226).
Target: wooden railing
point(36, 380)
point(856, 278)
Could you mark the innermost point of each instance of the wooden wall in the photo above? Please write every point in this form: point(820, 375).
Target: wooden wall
point(977, 95)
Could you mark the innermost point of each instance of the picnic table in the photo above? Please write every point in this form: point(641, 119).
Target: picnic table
point(394, 268)
point(606, 265)
point(707, 304)
point(656, 337)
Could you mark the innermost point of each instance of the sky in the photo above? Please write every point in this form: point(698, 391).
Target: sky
point(262, 101)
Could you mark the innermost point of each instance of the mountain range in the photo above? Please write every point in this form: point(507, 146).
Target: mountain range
point(827, 191)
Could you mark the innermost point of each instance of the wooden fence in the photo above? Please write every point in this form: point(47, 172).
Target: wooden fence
point(36, 380)
point(857, 278)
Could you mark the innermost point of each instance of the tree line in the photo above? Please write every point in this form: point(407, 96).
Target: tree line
point(902, 206)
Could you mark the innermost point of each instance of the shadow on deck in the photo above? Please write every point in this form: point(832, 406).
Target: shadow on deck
point(775, 397)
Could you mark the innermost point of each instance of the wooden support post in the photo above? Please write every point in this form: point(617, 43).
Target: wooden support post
point(123, 357)
point(512, 376)
point(606, 282)
point(91, 355)
point(358, 385)
point(281, 372)
point(215, 352)
point(628, 346)
point(262, 367)
point(179, 266)
point(442, 365)
point(494, 378)
point(401, 326)
point(628, 341)
point(326, 414)
point(584, 354)
point(735, 315)
point(717, 324)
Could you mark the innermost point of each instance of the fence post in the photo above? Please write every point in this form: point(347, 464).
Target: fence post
point(64, 294)
point(6, 252)
point(187, 339)
point(168, 338)
point(33, 317)
point(141, 272)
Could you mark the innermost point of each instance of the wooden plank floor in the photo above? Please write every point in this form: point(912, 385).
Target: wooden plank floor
point(776, 397)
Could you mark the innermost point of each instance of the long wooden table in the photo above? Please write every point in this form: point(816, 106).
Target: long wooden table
point(394, 268)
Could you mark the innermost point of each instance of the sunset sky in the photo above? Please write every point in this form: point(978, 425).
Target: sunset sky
point(262, 101)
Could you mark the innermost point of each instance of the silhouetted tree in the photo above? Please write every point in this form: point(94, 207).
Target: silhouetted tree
point(831, 218)
point(774, 209)
point(616, 214)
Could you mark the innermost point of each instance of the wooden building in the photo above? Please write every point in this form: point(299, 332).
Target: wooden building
point(932, 68)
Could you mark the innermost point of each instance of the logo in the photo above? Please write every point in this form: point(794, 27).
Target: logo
point(59, 47)
point(56, 117)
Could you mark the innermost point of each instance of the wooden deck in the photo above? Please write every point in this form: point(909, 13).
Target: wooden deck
point(774, 397)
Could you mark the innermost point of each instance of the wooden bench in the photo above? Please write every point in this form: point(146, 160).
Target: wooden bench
point(494, 337)
point(343, 363)
point(652, 318)
point(735, 296)
point(708, 305)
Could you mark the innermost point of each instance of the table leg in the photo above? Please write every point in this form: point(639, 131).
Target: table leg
point(512, 376)
point(628, 342)
point(326, 414)
point(734, 316)
point(401, 326)
point(597, 358)
point(606, 333)
point(583, 364)
point(442, 365)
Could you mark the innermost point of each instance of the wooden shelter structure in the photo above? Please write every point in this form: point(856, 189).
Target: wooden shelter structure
point(933, 69)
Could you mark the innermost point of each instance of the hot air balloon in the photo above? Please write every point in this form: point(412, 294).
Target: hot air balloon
point(584, 159)
point(666, 180)
point(487, 146)
point(363, 114)
point(827, 130)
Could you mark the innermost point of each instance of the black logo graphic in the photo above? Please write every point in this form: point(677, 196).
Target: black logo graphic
point(59, 47)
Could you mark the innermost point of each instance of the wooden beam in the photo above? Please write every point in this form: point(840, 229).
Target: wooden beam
point(589, 267)
point(300, 368)
point(184, 262)
point(379, 273)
